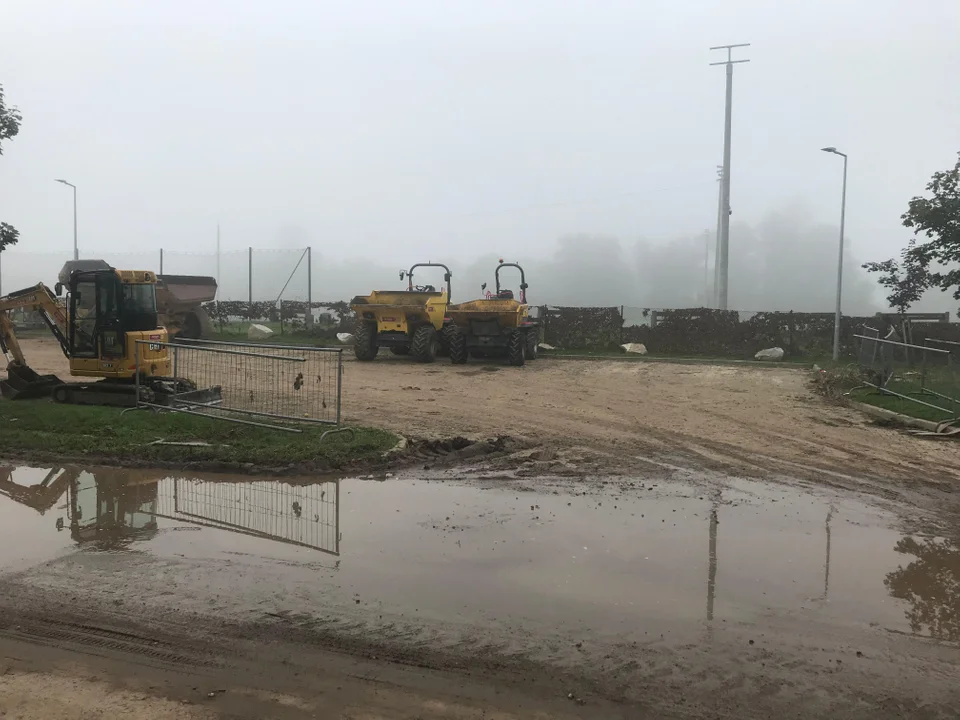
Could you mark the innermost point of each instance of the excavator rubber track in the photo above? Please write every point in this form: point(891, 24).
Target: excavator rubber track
point(172, 392)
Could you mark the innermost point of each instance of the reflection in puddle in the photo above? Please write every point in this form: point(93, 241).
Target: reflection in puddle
point(621, 558)
point(112, 508)
point(931, 584)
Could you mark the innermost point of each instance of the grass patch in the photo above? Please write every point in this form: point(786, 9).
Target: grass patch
point(706, 359)
point(847, 381)
point(78, 432)
point(896, 404)
point(237, 332)
point(302, 339)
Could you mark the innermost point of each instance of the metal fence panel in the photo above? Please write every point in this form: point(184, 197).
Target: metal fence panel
point(305, 515)
point(258, 382)
point(911, 375)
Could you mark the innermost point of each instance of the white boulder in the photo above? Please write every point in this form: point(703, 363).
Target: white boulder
point(345, 337)
point(637, 348)
point(773, 353)
point(258, 332)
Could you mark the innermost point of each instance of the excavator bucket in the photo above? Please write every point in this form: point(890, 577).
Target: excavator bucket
point(23, 383)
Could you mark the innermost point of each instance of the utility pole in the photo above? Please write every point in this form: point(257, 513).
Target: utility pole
point(843, 218)
point(706, 268)
point(76, 252)
point(218, 261)
point(309, 317)
point(716, 252)
point(724, 257)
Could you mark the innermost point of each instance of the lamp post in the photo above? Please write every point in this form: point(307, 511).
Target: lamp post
point(843, 216)
point(76, 252)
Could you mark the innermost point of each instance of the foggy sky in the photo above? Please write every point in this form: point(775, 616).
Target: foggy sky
point(384, 132)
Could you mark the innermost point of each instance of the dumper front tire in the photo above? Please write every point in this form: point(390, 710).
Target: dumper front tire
point(425, 344)
point(517, 348)
point(365, 341)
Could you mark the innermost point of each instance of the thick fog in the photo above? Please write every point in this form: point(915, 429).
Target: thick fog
point(787, 261)
point(579, 139)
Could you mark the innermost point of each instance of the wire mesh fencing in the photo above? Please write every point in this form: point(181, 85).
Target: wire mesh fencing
point(276, 386)
point(305, 515)
point(250, 274)
point(917, 380)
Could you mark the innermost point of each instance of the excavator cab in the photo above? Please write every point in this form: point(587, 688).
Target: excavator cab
point(105, 307)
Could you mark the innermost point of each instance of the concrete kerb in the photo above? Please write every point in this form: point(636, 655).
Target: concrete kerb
point(884, 414)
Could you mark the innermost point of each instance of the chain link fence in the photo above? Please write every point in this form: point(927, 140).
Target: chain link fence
point(275, 386)
point(252, 274)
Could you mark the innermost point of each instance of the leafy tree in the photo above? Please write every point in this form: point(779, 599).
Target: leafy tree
point(906, 279)
point(9, 128)
point(930, 263)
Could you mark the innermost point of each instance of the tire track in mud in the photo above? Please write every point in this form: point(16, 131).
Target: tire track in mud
point(102, 641)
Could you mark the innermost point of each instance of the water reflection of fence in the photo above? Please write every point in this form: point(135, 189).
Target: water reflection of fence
point(267, 384)
point(305, 515)
point(907, 373)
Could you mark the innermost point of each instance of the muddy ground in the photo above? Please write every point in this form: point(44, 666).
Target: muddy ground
point(483, 605)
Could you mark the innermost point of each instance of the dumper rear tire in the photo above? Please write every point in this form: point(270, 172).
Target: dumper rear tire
point(517, 348)
point(425, 344)
point(533, 344)
point(365, 341)
point(457, 343)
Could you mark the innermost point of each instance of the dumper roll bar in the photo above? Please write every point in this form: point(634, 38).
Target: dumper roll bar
point(446, 276)
point(523, 280)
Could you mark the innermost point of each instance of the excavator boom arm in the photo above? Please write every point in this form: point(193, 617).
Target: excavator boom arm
point(37, 298)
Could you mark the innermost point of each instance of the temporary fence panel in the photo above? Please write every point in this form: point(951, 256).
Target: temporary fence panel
point(304, 515)
point(255, 383)
point(913, 374)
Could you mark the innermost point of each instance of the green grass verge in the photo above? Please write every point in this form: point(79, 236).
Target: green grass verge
point(77, 432)
point(617, 353)
point(896, 404)
point(237, 332)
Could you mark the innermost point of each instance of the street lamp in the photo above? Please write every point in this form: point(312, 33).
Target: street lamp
point(76, 253)
point(843, 216)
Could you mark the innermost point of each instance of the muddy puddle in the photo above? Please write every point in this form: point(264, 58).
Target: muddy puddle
point(622, 560)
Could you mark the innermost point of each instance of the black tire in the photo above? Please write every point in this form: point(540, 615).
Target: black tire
point(425, 344)
point(400, 350)
point(457, 344)
point(61, 394)
point(365, 341)
point(191, 329)
point(533, 343)
point(517, 348)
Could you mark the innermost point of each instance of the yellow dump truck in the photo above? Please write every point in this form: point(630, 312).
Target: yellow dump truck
point(498, 325)
point(407, 322)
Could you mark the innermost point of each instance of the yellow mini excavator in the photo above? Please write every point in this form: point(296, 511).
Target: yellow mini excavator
point(106, 312)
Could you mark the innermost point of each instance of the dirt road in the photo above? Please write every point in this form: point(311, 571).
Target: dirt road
point(753, 420)
point(590, 418)
point(745, 418)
